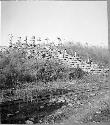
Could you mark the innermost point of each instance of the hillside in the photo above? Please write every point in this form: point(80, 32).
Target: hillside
point(39, 86)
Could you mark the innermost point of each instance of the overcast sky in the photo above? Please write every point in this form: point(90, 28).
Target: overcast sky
point(81, 21)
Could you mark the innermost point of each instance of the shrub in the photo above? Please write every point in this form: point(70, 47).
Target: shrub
point(77, 74)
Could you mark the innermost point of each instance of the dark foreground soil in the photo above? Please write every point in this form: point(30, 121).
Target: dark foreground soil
point(73, 105)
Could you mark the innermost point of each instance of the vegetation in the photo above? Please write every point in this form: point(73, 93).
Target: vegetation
point(99, 55)
point(35, 84)
point(17, 68)
point(77, 74)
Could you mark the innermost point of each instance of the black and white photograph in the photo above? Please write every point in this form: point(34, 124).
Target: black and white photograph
point(54, 63)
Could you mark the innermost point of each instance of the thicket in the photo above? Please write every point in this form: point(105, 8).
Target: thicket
point(77, 74)
point(16, 68)
point(97, 54)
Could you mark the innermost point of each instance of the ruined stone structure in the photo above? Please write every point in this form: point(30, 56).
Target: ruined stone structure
point(51, 50)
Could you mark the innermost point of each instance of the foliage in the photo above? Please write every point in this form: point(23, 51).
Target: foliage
point(13, 68)
point(99, 55)
point(77, 74)
point(16, 66)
